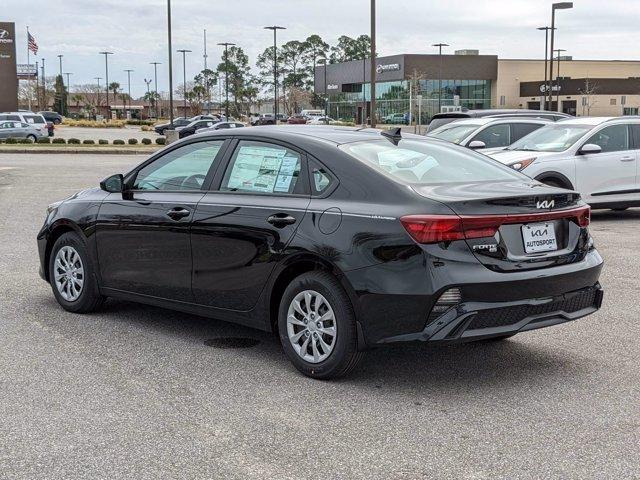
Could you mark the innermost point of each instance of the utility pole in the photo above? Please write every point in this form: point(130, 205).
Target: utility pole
point(554, 7)
point(98, 95)
point(155, 76)
point(440, 45)
point(546, 56)
point(44, 88)
point(170, 64)
point(62, 81)
point(106, 74)
point(184, 79)
point(148, 82)
point(206, 76)
point(226, 46)
point(275, 28)
point(372, 56)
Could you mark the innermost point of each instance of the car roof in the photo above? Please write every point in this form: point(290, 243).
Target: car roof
point(495, 112)
point(486, 120)
point(325, 133)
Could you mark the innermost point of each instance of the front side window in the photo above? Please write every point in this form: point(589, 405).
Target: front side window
point(429, 163)
point(519, 130)
point(551, 138)
point(184, 168)
point(494, 136)
point(612, 139)
point(261, 167)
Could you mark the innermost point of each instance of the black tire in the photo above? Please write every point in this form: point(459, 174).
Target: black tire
point(33, 137)
point(57, 121)
point(90, 298)
point(552, 183)
point(345, 355)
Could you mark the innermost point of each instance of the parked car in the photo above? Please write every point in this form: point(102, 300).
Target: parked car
point(282, 117)
point(35, 119)
point(221, 126)
point(266, 119)
point(53, 117)
point(440, 119)
point(177, 122)
point(338, 239)
point(596, 156)
point(321, 121)
point(193, 127)
point(488, 132)
point(396, 119)
point(16, 129)
point(297, 120)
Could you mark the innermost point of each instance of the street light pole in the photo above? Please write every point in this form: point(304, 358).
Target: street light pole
point(129, 91)
point(372, 56)
point(554, 7)
point(546, 56)
point(62, 80)
point(275, 28)
point(439, 45)
point(206, 76)
point(155, 76)
point(148, 82)
point(106, 73)
point(184, 79)
point(170, 64)
point(226, 46)
point(558, 51)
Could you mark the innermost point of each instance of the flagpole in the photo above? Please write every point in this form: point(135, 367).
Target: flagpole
point(28, 63)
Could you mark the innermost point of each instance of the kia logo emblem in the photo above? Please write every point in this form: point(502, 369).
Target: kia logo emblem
point(546, 204)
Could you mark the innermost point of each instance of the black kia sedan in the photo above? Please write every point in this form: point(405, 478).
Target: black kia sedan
point(337, 239)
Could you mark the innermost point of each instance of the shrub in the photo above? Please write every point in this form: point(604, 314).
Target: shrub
point(11, 141)
point(103, 142)
point(58, 140)
point(139, 122)
point(44, 140)
point(94, 124)
point(88, 142)
point(118, 142)
point(132, 141)
point(25, 141)
point(146, 141)
point(161, 140)
point(73, 141)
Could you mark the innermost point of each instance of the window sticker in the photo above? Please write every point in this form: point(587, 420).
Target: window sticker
point(256, 168)
point(286, 173)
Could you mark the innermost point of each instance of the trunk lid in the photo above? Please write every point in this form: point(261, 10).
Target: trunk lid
point(539, 225)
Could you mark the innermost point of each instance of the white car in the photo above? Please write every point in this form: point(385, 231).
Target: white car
point(596, 156)
point(320, 121)
point(487, 132)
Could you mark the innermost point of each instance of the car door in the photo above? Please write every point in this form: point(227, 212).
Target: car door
point(143, 234)
point(243, 226)
point(635, 137)
point(5, 129)
point(610, 175)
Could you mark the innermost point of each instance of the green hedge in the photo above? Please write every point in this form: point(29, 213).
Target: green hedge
point(140, 122)
point(73, 141)
point(25, 141)
point(161, 140)
point(58, 140)
point(133, 141)
point(118, 142)
point(44, 140)
point(11, 141)
point(146, 141)
point(103, 142)
point(88, 142)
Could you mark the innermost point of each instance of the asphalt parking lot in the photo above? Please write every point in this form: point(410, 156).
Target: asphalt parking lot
point(136, 392)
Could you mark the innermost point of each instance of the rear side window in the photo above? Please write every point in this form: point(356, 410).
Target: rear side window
point(261, 167)
point(519, 130)
point(614, 138)
point(635, 129)
point(429, 163)
point(9, 117)
point(321, 178)
point(494, 136)
point(34, 119)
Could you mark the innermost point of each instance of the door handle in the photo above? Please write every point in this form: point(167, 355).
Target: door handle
point(281, 220)
point(627, 159)
point(178, 212)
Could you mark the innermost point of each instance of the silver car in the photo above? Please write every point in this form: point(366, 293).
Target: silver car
point(15, 129)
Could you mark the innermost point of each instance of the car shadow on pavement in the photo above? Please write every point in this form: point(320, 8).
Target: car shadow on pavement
point(630, 214)
point(522, 361)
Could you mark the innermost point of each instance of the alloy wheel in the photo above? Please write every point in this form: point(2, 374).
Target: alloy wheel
point(69, 273)
point(311, 326)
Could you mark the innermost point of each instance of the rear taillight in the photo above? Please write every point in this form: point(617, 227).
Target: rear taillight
point(447, 228)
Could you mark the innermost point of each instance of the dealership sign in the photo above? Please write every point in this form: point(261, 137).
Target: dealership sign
point(8, 83)
point(5, 36)
point(390, 67)
point(26, 71)
point(554, 88)
point(332, 86)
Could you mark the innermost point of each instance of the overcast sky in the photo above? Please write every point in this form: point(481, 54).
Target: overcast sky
point(136, 29)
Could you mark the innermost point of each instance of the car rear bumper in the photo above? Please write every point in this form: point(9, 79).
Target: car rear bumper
point(471, 321)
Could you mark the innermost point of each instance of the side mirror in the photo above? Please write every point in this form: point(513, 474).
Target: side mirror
point(588, 148)
point(477, 144)
point(113, 184)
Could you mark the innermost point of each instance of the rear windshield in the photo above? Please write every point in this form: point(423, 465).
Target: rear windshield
point(551, 138)
point(34, 119)
point(438, 122)
point(454, 133)
point(429, 162)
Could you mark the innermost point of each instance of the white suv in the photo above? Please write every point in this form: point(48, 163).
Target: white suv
point(596, 156)
point(36, 120)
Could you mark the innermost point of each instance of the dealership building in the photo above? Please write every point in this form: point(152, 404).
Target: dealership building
point(432, 83)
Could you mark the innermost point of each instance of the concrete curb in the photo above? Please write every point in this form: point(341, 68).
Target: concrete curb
point(93, 151)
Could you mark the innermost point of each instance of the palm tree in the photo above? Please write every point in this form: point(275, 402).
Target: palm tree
point(114, 87)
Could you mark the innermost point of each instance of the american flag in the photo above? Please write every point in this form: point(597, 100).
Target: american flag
point(33, 46)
